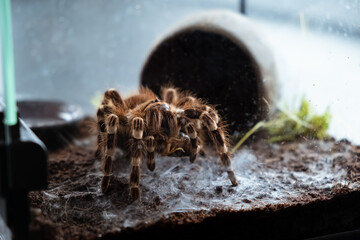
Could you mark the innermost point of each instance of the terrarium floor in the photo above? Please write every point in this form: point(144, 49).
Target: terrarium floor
point(285, 191)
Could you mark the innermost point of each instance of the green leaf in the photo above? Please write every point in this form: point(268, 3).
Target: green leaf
point(292, 125)
point(304, 109)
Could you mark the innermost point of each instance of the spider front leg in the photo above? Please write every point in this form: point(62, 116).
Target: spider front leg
point(110, 100)
point(136, 152)
point(194, 141)
point(102, 131)
point(112, 122)
point(150, 149)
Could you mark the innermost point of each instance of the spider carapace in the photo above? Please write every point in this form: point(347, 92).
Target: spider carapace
point(144, 125)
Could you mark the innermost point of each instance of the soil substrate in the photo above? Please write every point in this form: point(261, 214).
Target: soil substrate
point(286, 191)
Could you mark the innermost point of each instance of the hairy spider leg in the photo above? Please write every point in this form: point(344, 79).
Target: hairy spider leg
point(217, 136)
point(102, 113)
point(108, 123)
point(194, 141)
point(212, 114)
point(169, 123)
point(153, 119)
point(112, 98)
point(112, 122)
point(170, 95)
point(136, 152)
point(193, 145)
point(102, 131)
point(150, 149)
point(188, 100)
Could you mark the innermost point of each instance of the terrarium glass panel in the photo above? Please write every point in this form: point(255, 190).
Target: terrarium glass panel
point(174, 118)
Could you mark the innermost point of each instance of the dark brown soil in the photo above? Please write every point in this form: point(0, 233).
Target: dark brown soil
point(286, 191)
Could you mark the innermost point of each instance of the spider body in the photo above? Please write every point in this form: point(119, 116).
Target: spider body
point(144, 125)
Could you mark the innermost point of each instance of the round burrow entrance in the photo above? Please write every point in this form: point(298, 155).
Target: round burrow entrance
point(213, 66)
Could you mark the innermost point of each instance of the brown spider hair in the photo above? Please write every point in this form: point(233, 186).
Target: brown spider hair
point(144, 125)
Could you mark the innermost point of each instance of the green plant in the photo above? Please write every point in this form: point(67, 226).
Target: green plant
point(292, 125)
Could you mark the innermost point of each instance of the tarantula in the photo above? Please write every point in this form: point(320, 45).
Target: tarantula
point(144, 125)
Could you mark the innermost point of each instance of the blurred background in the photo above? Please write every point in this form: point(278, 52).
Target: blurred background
point(75, 50)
